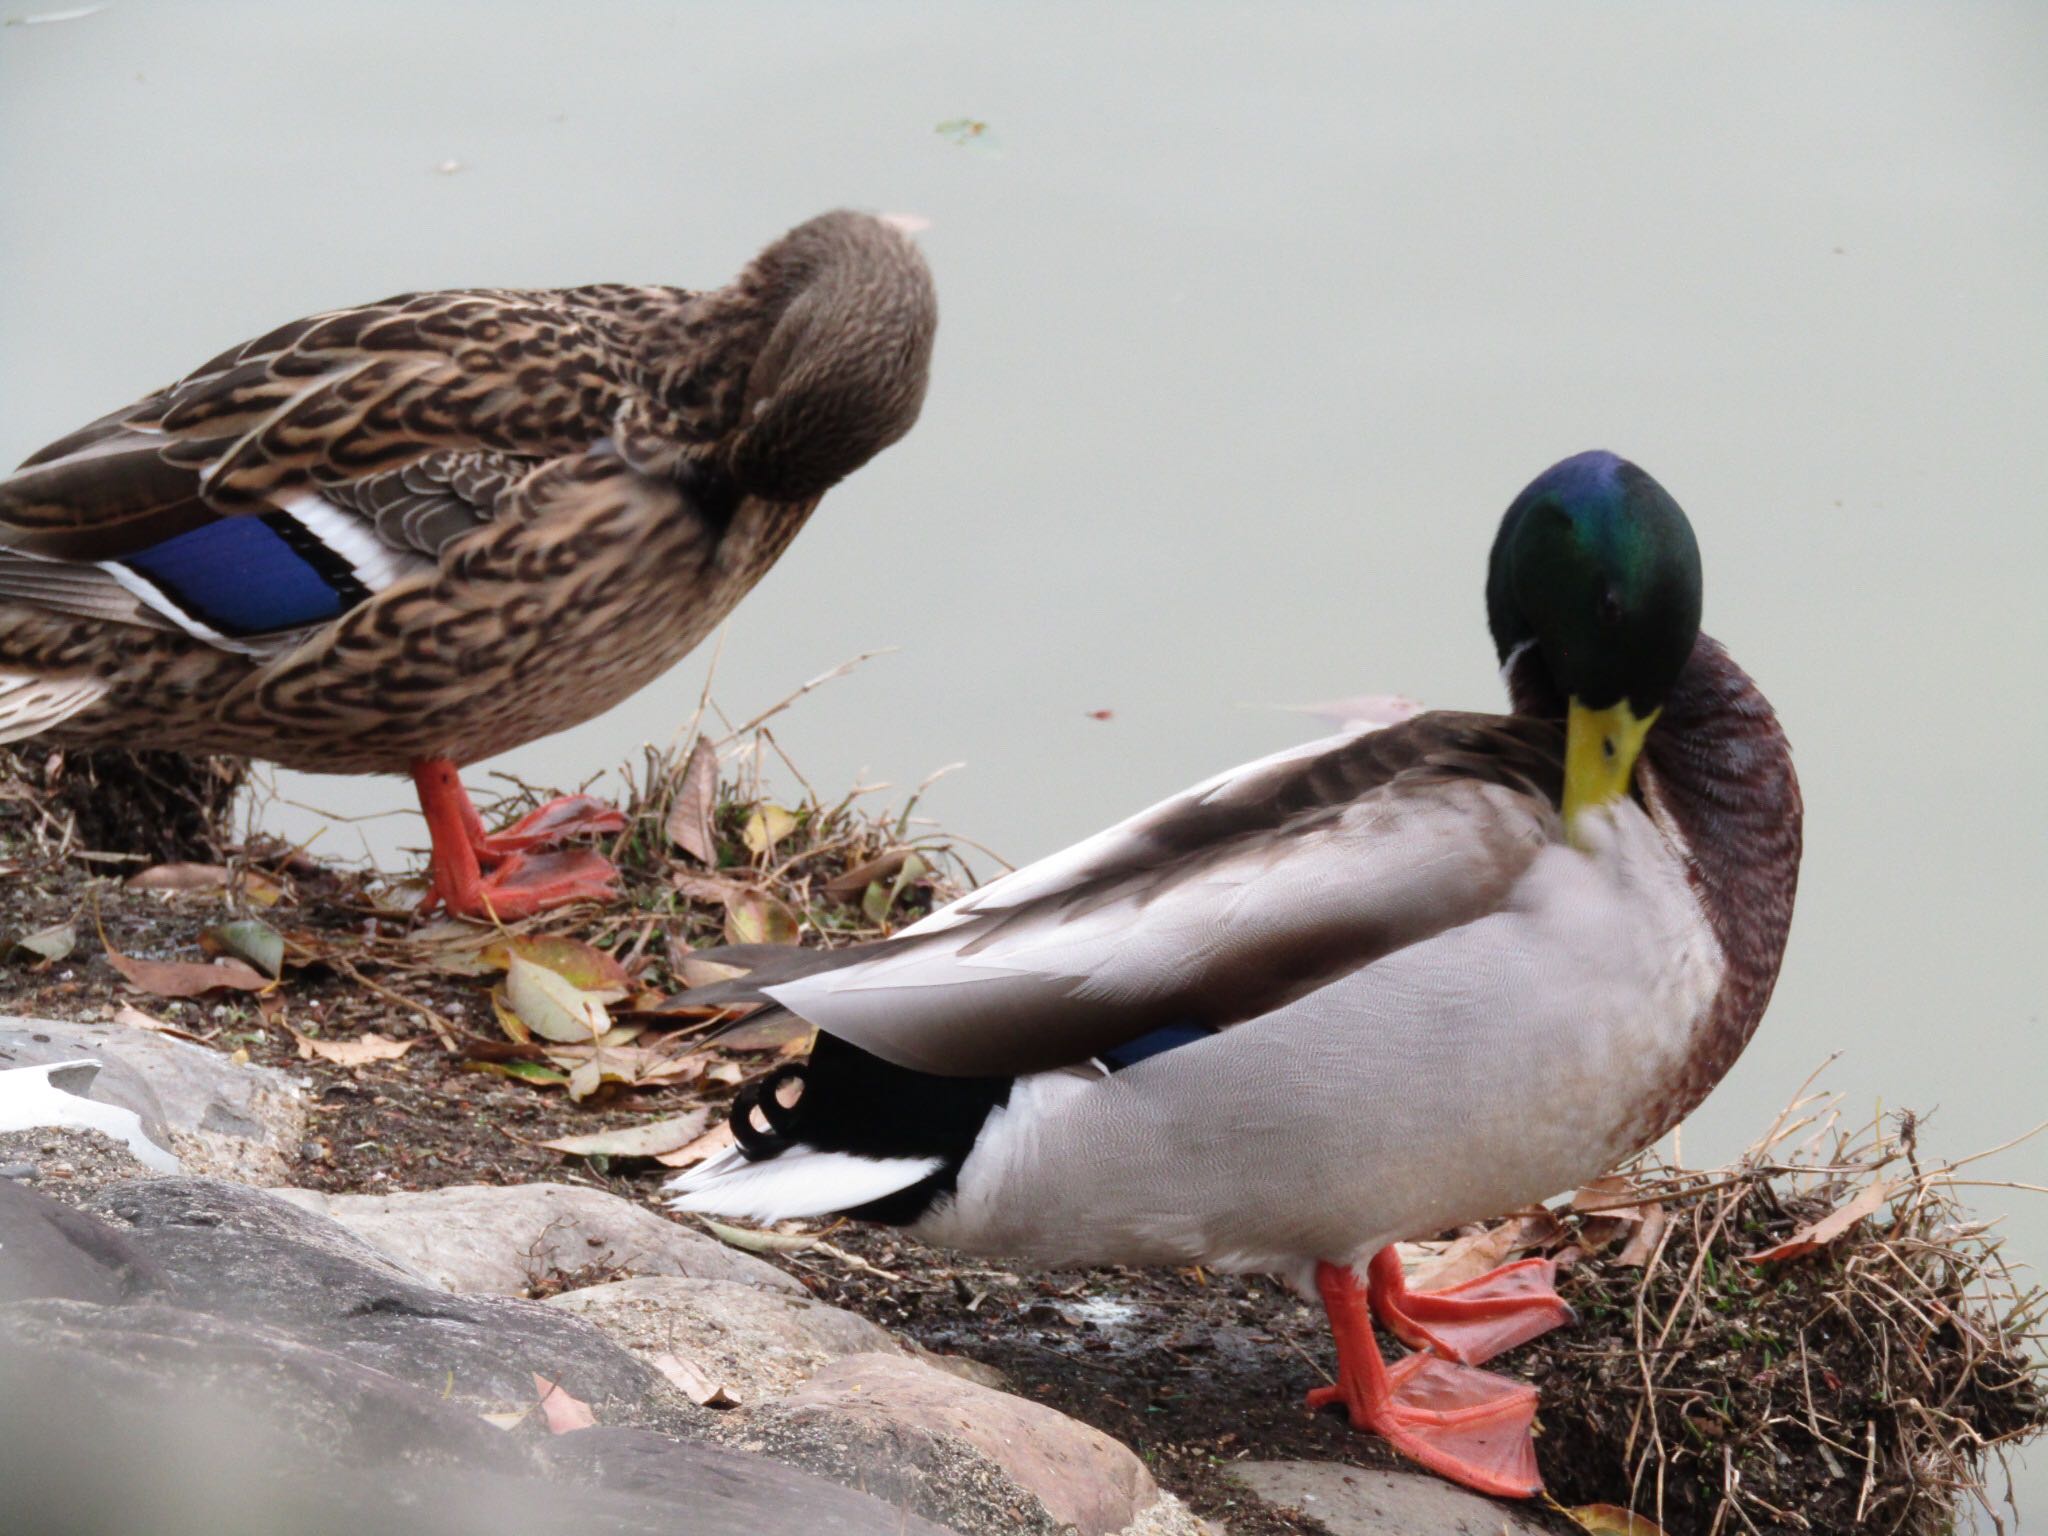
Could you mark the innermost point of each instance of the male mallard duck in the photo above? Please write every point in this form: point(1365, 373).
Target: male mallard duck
point(1360, 991)
point(417, 533)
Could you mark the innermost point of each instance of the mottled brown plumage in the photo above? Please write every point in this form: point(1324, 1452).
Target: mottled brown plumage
point(427, 530)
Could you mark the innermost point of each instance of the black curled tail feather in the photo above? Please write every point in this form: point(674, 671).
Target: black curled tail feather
point(763, 1097)
point(853, 1102)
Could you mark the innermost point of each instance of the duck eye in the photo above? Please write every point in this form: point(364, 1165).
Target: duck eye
point(1607, 748)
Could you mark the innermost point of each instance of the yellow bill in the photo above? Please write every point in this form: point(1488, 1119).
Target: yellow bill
point(1600, 750)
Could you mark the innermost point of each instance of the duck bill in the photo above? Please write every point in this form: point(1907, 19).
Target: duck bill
point(1600, 751)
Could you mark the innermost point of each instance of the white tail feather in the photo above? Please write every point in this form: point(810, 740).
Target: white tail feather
point(801, 1181)
point(31, 705)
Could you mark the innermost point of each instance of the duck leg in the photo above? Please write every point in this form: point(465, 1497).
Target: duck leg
point(1472, 1427)
point(1473, 1321)
point(475, 873)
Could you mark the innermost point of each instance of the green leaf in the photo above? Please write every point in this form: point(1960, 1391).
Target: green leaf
point(249, 939)
point(528, 1071)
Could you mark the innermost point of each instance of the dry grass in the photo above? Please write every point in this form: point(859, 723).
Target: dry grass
point(1873, 1383)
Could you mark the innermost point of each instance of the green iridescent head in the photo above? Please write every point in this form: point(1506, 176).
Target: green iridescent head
point(1596, 568)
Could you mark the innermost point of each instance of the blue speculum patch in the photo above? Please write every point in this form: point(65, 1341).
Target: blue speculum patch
point(1166, 1038)
point(243, 577)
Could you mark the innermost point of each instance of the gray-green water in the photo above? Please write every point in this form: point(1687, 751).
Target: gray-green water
point(1254, 320)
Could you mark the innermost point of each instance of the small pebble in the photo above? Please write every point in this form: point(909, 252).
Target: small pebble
point(17, 1170)
point(61, 1170)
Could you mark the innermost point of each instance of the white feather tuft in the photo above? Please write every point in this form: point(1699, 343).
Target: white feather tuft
point(802, 1181)
point(30, 705)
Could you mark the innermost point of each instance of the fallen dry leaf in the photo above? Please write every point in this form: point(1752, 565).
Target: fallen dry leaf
point(1643, 1241)
point(701, 887)
point(1476, 1253)
point(689, 824)
point(551, 1005)
point(590, 1066)
point(182, 877)
point(562, 1412)
point(1612, 1520)
point(1614, 1205)
point(354, 1051)
point(649, 1140)
point(755, 917)
point(50, 944)
point(693, 1382)
point(882, 866)
point(704, 973)
point(1831, 1226)
point(186, 978)
point(583, 966)
point(713, 1141)
point(766, 826)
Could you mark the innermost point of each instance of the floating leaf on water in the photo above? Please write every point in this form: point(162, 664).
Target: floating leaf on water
point(249, 939)
point(690, 826)
point(48, 944)
point(968, 133)
point(353, 1051)
point(755, 917)
point(1831, 1226)
point(551, 1005)
point(649, 1140)
point(766, 826)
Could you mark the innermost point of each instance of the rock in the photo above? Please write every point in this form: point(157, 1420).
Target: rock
point(1361, 1501)
point(141, 1417)
point(236, 1121)
point(242, 1254)
point(58, 1094)
point(724, 1490)
point(978, 1460)
point(513, 1240)
point(757, 1344)
point(50, 1250)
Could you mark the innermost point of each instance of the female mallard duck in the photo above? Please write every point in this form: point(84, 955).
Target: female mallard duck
point(1357, 992)
point(411, 535)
